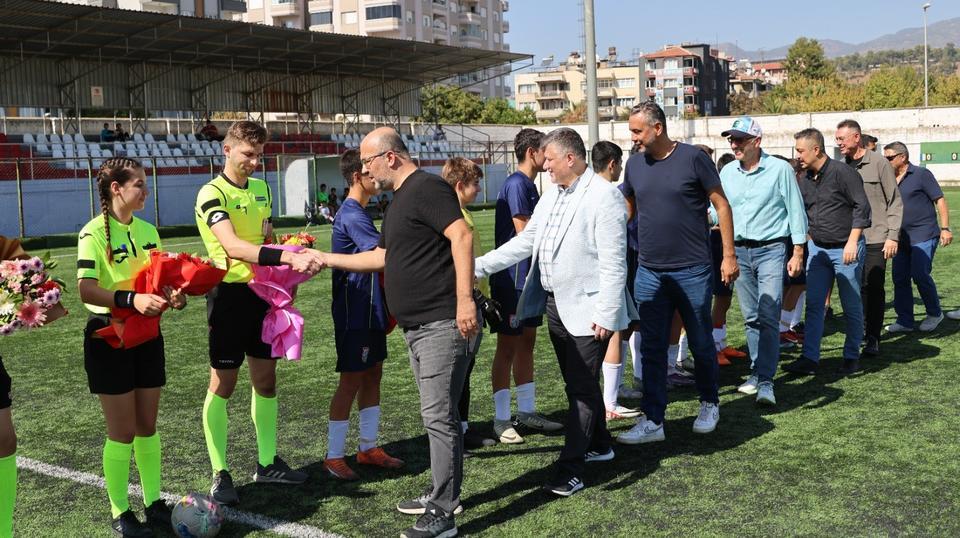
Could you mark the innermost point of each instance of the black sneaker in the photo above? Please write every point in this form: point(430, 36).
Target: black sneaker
point(871, 347)
point(850, 366)
point(801, 366)
point(158, 513)
point(278, 472)
point(223, 491)
point(473, 440)
point(418, 505)
point(434, 523)
point(565, 488)
point(128, 526)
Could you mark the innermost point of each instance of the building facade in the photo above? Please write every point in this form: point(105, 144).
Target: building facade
point(211, 9)
point(688, 80)
point(476, 24)
point(551, 91)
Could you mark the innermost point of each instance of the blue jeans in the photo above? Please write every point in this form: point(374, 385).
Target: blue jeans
point(658, 294)
point(914, 262)
point(822, 267)
point(760, 289)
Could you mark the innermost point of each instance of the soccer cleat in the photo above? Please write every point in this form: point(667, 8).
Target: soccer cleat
point(599, 456)
point(158, 513)
point(128, 526)
point(222, 490)
point(378, 457)
point(765, 394)
point(620, 411)
point(733, 353)
point(338, 468)
point(565, 488)
point(645, 431)
point(722, 359)
point(801, 366)
point(792, 337)
point(707, 419)
point(278, 472)
point(930, 323)
point(630, 393)
point(897, 328)
point(750, 386)
point(473, 440)
point(506, 433)
point(679, 380)
point(536, 421)
point(418, 505)
point(434, 523)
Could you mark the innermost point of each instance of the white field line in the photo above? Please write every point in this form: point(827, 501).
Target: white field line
point(258, 521)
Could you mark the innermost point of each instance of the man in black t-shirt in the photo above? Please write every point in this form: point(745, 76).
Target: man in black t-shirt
point(426, 254)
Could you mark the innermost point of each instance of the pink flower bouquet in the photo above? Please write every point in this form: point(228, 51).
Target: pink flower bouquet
point(29, 296)
point(283, 325)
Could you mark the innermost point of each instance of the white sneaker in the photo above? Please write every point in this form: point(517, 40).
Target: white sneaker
point(687, 364)
point(750, 387)
point(629, 393)
point(930, 323)
point(645, 431)
point(505, 432)
point(953, 314)
point(897, 328)
point(598, 456)
point(620, 411)
point(707, 419)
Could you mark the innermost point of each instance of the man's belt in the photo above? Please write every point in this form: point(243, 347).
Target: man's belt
point(750, 243)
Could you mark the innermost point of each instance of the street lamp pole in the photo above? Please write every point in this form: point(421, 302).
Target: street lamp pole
point(926, 75)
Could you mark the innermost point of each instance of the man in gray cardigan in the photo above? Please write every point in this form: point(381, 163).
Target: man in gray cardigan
point(577, 239)
point(886, 208)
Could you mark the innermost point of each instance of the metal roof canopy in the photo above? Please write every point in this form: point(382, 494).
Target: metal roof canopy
point(92, 45)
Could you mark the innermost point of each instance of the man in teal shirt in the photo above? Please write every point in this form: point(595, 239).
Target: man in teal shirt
point(768, 214)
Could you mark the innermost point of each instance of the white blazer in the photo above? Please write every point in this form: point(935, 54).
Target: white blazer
point(590, 260)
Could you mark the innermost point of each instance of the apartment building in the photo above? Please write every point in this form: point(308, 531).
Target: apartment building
point(212, 9)
point(464, 23)
point(552, 90)
point(688, 80)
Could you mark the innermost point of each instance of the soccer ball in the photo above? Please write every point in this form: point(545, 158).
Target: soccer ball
point(196, 516)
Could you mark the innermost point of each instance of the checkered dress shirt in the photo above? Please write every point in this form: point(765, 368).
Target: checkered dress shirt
point(551, 235)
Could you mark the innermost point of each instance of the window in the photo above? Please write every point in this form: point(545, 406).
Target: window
point(483, 12)
point(626, 102)
point(496, 37)
point(348, 17)
point(283, 1)
point(496, 16)
point(669, 101)
point(688, 62)
point(472, 30)
point(409, 17)
point(529, 105)
point(626, 82)
point(651, 65)
point(324, 17)
point(426, 21)
point(671, 64)
point(669, 83)
point(453, 7)
point(690, 100)
point(650, 83)
point(688, 81)
point(605, 83)
point(392, 11)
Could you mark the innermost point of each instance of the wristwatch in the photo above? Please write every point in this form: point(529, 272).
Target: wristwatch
point(947, 228)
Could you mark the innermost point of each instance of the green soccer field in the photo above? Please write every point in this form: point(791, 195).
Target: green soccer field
point(876, 454)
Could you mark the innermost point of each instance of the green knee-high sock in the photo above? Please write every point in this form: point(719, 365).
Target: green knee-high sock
point(264, 413)
point(146, 452)
point(8, 494)
point(116, 472)
point(215, 430)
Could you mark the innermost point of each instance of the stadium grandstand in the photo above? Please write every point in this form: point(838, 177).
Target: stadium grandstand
point(77, 61)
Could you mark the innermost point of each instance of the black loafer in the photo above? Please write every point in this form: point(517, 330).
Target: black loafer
point(872, 347)
point(801, 366)
point(850, 366)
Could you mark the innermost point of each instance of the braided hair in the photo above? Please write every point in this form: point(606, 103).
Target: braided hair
point(119, 170)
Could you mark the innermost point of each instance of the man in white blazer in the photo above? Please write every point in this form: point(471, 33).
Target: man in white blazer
point(577, 240)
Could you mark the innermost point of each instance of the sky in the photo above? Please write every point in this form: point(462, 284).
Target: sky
point(544, 27)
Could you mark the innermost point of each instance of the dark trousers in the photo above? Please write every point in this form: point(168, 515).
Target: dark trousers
point(579, 358)
point(872, 291)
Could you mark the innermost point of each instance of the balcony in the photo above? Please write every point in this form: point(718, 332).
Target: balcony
point(551, 94)
point(439, 26)
point(607, 92)
point(650, 73)
point(471, 41)
point(506, 47)
point(691, 90)
point(651, 92)
point(467, 17)
point(233, 6)
point(506, 6)
point(553, 113)
point(387, 24)
point(285, 9)
point(607, 112)
point(690, 71)
point(319, 6)
point(549, 76)
point(505, 25)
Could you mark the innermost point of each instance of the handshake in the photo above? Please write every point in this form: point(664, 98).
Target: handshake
point(307, 261)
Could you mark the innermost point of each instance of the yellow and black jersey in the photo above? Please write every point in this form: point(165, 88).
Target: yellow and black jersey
point(247, 208)
point(131, 245)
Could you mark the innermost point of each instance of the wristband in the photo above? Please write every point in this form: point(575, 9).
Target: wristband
point(123, 299)
point(269, 256)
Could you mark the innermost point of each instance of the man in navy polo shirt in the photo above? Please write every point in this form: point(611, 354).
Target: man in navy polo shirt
point(919, 236)
point(669, 186)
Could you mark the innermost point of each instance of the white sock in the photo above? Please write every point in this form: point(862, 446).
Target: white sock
point(798, 311)
point(336, 438)
point(673, 353)
point(720, 337)
point(611, 383)
point(786, 319)
point(635, 355)
point(369, 427)
point(526, 397)
point(501, 404)
point(683, 348)
point(464, 426)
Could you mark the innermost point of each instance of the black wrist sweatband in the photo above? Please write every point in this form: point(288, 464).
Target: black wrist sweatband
point(269, 256)
point(123, 299)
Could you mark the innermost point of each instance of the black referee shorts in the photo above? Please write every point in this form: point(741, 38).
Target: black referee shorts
point(6, 399)
point(118, 371)
point(235, 316)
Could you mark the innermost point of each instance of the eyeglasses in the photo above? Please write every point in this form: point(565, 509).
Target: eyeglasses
point(370, 159)
point(892, 157)
point(739, 139)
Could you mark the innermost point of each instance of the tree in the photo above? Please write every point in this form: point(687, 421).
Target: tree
point(577, 114)
point(802, 94)
point(945, 90)
point(741, 104)
point(805, 58)
point(893, 88)
point(449, 104)
point(498, 110)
